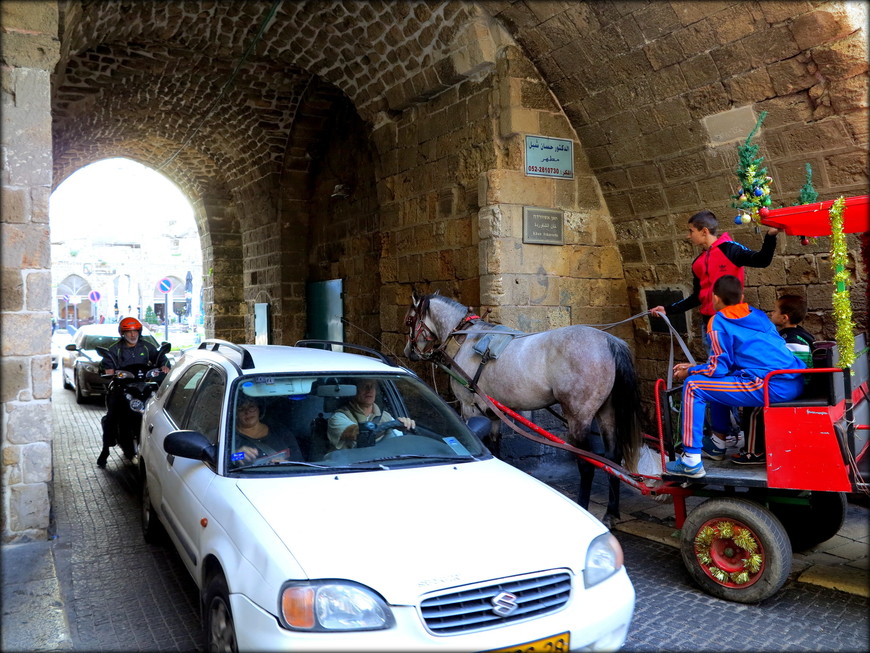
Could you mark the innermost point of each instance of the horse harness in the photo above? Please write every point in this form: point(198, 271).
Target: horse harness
point(418, 327)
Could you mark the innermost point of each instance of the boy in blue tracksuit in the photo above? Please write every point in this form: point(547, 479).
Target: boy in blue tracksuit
point(745, 346)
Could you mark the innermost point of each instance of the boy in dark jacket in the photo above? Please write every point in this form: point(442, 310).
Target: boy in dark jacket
point(745, 346)
point(789, 312)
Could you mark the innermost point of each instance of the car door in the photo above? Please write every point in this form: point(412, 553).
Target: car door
point(196, 403)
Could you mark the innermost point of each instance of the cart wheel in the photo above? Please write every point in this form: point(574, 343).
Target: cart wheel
point(736, 550)
point(808, 525)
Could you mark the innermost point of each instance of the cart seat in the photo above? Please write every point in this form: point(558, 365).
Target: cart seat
point(827, 389)
point(824, 389)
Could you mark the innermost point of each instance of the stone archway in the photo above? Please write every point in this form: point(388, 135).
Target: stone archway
point(442, 92)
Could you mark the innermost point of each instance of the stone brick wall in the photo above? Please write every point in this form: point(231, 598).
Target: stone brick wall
point(30, 50)
point(640, 88)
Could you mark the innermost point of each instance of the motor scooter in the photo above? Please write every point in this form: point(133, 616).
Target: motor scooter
point(136, 384)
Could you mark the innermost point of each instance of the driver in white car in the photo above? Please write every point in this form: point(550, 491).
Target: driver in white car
point(344, 425)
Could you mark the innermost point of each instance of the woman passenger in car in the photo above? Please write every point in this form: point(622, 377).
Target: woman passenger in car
point(254, 439)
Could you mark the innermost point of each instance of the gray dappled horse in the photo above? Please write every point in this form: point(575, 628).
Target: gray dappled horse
point(588, 372)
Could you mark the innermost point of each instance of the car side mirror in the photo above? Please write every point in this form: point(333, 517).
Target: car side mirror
point(190, 444)
point(480, 426)
point(71, 347)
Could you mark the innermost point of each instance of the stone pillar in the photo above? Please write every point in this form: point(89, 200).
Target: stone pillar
point(537, 287)
point(30, 49)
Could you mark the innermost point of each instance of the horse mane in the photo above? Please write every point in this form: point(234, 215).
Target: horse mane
point(449, 301)
point(479, 323)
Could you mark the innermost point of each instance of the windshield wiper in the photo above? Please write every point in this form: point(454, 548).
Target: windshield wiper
point(419, 456)
point(354, 467)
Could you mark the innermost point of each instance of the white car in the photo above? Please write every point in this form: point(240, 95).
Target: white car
point(414, 539)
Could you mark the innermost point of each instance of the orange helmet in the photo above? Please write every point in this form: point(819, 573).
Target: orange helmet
point(129, 324)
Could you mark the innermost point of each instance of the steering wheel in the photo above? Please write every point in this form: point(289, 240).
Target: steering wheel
point(392, 424)
point(368, 432)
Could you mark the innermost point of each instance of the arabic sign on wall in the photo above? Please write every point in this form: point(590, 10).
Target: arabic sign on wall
point(549, 157)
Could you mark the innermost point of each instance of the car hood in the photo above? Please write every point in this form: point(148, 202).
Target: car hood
point(410, 531)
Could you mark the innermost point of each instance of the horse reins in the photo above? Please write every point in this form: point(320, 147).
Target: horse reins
point(457, 373)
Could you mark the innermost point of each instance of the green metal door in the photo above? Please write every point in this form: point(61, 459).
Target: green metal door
point(325, 310)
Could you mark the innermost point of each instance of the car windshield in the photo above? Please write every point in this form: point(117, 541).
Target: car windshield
point(292, 425)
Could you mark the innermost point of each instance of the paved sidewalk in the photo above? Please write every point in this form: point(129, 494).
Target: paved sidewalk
point(34, 618)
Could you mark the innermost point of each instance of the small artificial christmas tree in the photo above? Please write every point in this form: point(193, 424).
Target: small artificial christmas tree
point(754, 191)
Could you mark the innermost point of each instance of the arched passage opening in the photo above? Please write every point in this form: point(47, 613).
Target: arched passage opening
point(117, 229)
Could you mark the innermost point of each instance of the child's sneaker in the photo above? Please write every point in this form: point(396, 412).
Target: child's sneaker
point(679, 468)
point(710, 450)
point(745, 458)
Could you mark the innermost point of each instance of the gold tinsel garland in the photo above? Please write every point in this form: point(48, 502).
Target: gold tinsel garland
point(842, 305)
point(741, 538)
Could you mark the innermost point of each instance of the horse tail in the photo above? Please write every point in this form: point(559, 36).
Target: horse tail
point(625, 397)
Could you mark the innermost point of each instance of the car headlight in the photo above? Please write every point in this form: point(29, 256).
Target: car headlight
point(93, 369)
point(332, 605)
point(603, 559)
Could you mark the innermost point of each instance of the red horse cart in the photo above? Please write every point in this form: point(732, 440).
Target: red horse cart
point(737, 544)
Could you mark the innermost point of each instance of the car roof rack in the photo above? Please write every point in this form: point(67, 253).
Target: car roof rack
point(213, 344)
point(322, 344)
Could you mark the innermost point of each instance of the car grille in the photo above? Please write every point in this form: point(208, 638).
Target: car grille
point(471, 608)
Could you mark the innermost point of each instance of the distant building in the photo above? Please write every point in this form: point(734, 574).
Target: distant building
point(95, 280)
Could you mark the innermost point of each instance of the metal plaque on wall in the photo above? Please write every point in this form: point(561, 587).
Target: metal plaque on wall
point(543, 226)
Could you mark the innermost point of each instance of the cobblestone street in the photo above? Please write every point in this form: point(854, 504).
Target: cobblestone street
point(121, 594)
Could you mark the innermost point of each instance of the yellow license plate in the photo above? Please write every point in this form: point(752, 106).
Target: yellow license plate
point(556, 644)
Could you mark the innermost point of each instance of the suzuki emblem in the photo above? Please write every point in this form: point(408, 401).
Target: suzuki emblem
point(504, 604)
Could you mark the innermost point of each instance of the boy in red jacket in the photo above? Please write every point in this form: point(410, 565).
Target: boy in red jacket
point(719, 256)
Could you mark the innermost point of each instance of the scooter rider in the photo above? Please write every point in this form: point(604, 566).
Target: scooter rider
point(128, 350)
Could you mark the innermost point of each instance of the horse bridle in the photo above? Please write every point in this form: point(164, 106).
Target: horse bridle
point(418, 328)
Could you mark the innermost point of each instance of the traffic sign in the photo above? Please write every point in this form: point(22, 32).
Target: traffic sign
point(165, 285)
point(94, 296)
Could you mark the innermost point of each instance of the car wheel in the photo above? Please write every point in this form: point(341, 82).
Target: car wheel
point(220, 631)
point(80, 398)
point(66, 384)
point(736, 550)
point(152, 528)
